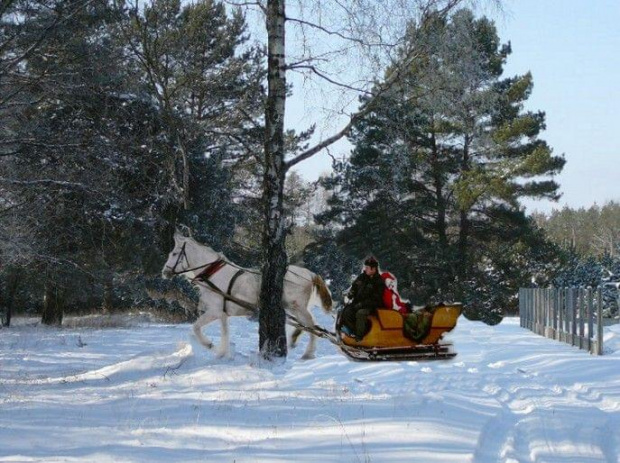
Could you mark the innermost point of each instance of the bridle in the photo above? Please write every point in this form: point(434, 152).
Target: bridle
point(183, 255)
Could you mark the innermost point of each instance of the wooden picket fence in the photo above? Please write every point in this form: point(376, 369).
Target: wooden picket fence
point(570, 315)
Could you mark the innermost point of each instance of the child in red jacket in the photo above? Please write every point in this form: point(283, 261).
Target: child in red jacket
point(391, 298)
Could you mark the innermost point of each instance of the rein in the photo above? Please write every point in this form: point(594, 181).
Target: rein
point(229, 297)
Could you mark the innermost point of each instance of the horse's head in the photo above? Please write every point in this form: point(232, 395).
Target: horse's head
point(187, 256)
point(177, 258)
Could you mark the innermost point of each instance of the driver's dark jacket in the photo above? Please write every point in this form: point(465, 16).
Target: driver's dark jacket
point(367, 292)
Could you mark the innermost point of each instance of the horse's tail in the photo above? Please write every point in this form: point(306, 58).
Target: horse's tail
point(323, 291)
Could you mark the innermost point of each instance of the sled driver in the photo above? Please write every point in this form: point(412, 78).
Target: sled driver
point(363, 299)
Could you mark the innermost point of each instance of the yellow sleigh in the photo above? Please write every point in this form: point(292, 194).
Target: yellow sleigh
point(393, 336)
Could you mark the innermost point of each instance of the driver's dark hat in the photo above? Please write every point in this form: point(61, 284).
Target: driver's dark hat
point(371, 262)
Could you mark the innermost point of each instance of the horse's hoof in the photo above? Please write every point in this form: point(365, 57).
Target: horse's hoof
point(308, 356)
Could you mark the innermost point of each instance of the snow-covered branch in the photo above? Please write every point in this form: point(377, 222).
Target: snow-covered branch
point(45, 182)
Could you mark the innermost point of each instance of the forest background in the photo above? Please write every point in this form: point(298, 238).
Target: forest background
point(117, 123)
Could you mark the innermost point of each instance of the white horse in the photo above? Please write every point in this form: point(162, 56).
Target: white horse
point(227, 290)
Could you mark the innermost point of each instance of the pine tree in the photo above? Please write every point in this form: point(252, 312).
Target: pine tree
point(195, 62)
point(90, 174)
point(433, 184)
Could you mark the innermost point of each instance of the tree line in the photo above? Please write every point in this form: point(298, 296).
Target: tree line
point(120, 120)
point(591, 232)
point(589, 242)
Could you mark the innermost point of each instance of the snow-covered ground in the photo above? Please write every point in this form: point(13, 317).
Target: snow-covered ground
point(149, 393)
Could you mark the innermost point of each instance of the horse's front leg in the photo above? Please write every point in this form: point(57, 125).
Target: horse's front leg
point(199, 324)
point(224, 349)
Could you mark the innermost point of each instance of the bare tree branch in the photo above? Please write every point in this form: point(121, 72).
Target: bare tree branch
point(323, 76)
point(339, 34)
point(240, 4)
point(367, 108)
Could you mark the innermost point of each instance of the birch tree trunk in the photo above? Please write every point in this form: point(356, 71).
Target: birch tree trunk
point(272, 332)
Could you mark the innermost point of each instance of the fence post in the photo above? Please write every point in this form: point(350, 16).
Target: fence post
point(528, 310)
point(545, 310)
point(569, 316)
point(590, 320)
point(546, 319)
point(528, 307)
point(556, 311)
point(541, 313)
point(551, 330)
point(533, 313)
point(525, 308)
point(599, 323)
point(569, 303)
point(582, 304)
point(575, 301)
point(562, 303)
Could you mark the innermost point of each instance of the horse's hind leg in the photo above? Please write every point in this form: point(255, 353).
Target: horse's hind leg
point(306, 319)
point(295, 336)
point(203, 321)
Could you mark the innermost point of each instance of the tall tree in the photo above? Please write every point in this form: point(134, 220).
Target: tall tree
point(25, 27)
point(195, 61)
point(60, 139)
point(272, 338)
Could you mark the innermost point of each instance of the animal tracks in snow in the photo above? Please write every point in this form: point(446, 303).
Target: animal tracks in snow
point(535, 417)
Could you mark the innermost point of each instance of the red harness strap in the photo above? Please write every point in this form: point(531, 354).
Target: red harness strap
point(210, 270)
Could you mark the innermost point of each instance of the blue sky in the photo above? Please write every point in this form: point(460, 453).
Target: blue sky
point(572, 48)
